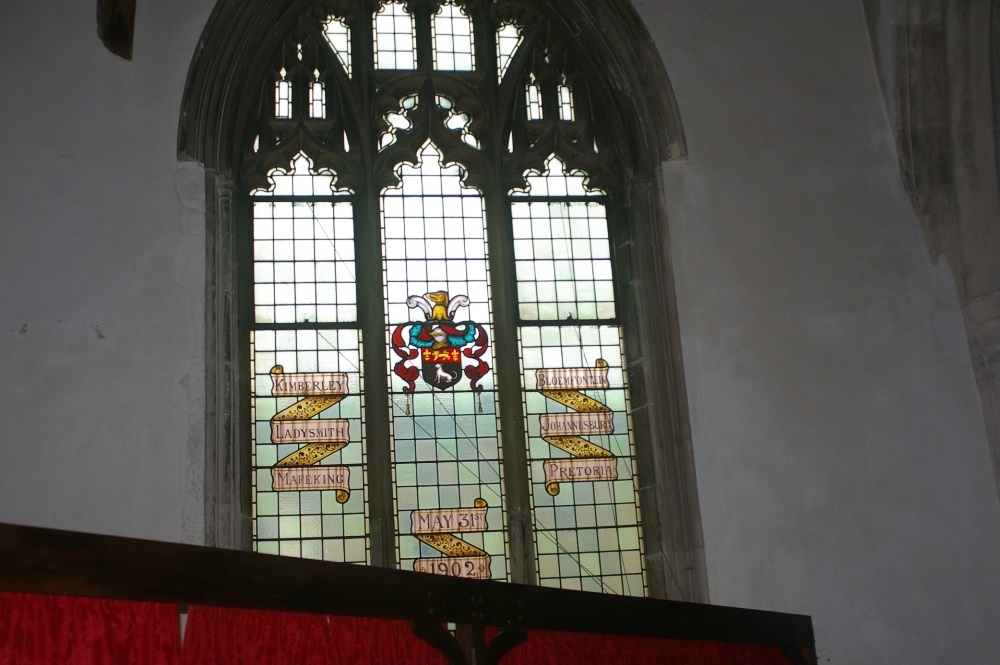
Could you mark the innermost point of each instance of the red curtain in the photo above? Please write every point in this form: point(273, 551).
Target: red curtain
point(546, 647)
point(38, 629)
point(217, 635)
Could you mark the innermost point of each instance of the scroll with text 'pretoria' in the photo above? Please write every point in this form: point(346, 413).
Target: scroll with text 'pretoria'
point(566, 431)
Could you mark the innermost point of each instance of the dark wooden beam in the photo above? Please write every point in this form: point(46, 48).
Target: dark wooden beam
point(116, 25)
point(48, 561)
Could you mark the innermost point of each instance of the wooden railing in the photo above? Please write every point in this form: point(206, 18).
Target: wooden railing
point(49, 561)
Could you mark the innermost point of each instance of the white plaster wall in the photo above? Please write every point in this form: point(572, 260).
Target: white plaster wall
point(101, 314)
point(842, 465)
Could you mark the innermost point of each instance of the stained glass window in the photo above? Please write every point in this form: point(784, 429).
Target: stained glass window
point(437, 367)
point(580, 447)
point(446, 453)
point(306, 388)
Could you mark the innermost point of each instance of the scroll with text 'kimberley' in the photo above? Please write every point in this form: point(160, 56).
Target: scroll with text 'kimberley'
point(566, 431)
point(322, 437)
point(436, 528)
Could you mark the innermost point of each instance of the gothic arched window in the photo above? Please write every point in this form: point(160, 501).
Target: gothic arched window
point(433, 218)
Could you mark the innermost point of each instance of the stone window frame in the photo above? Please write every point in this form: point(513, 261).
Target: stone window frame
point(219, 95)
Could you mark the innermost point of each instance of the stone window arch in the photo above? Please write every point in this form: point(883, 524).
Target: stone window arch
point(305, 88)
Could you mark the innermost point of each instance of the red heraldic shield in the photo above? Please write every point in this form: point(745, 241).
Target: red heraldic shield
point(442, 367)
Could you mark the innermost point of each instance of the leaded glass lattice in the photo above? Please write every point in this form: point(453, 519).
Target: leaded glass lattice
point(306, 389)
point(563, 260)
point(508, 39)
point(584, 495)
point(446, 452)
point(338, 34)
point(303, 250)
point(437, 377)
point(395, 45)
point(579, 436)
point(453, 42)
point(308, 455)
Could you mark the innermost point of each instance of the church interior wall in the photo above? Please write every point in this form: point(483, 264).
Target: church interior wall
point(827, 368)
point(841, 459)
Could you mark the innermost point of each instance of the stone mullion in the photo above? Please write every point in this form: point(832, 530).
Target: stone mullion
point(227, 458)
point(371, 316)
point(503, 293)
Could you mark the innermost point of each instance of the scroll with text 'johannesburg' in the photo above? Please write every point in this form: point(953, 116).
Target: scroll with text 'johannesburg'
point(588, 462)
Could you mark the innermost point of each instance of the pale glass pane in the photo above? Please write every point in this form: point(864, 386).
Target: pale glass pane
point(397, 121)
point(555, 181)
point(338, 35)
point(458, 121)
point(554, 254)
point(317, 99)
point(451, 29)
point(300, 179)
point(566, 103)
point(508, 39)
point(395, 45)
point(303, 257)
point(533, 95)
point(308, 461)
point(582, 459)
point(282, 96)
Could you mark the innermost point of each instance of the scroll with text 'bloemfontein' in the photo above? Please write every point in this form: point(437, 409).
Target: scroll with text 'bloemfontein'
point(566, 431)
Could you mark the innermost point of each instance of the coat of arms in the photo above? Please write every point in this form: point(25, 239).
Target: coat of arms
point(447, 350)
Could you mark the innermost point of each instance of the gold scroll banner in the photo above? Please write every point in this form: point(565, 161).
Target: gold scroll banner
point(566, 431)
point(296, 479)
point(437, 528)
point(319, 391)
point(579, 469)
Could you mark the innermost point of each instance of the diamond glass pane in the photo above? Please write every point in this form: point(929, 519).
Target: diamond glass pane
point(533, 98)
point(282, 97)
point(582, 460)
point(563, 260)
point(445, 448)
point(452, 38)
point(308, 459)
point(317, 99)
point(395, 46)
point(566, 103)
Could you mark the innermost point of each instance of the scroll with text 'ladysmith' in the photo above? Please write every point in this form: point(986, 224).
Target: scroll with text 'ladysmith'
point(588, 462)
point(321, 437)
